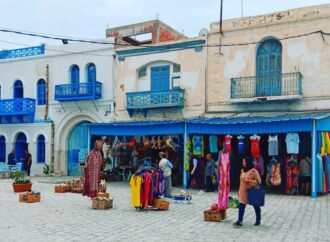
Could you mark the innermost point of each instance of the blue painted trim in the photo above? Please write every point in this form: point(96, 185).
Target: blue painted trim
point(22, 52)
point(160, 48)
point(323, 124)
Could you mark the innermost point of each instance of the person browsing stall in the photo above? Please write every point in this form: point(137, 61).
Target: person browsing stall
point(166, 167)
point(209, 173)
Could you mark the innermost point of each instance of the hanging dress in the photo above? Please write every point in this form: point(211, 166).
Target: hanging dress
point(224, 181)
point(255, 149)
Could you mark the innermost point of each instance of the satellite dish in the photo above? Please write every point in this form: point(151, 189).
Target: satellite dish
point(203, 32)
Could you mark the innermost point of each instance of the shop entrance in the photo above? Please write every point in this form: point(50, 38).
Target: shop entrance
point(20, 146)
point(77, 144)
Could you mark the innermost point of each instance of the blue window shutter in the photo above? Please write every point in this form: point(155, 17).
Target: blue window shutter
point(41, 149)
point(160, 78)
point(18, 89)
point(269, 68)
point(41, 95)
point(91, 73)
point(2, 149)
point(75, 74)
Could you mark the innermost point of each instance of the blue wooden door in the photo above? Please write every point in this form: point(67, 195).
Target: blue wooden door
point(78, 139)
point(160, 78)
point(20, 146)
point(269, 69)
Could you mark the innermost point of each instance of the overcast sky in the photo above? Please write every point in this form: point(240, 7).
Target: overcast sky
point(90, 18)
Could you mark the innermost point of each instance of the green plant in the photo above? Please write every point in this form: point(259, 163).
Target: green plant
point(21, 178)
point(46, 169)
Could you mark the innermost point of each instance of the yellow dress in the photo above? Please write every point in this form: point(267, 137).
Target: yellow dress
point(135, 184)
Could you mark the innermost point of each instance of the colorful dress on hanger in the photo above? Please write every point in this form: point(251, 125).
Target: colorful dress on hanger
point(135, 184)
point(292, 176)
point(92, 172)
point(228, 143)
point(198, 145)
point(240, 145)
point(213, 144)
point(255, 149)
point(272, 145)
point(224, 181)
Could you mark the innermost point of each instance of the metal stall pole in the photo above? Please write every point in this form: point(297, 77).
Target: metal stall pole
point(184, 156)
point(314, 193)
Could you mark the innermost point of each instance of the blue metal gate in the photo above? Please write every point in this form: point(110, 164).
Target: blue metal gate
point(78, 140)
point(269, 69)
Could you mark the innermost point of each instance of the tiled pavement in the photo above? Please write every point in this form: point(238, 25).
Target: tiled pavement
point(69, 217)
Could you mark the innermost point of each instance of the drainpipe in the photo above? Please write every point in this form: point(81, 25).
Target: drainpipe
point(314, 193)
point(113, 81)
point(47, 92)
point(206, 78)
point(52, 161)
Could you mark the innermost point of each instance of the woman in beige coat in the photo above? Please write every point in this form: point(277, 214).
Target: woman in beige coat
point(249, 179)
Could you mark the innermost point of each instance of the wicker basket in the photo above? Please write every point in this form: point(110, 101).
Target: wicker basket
point(102, 203)
point(77, 189)
point(161, 204)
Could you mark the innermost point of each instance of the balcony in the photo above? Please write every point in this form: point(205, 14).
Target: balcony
point(18, 110)
point(286, 86)
point(78, 92)
point(154, 99)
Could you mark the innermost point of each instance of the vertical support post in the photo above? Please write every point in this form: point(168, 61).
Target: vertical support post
point(185, 135)
point(314, 193)
point(89, 138)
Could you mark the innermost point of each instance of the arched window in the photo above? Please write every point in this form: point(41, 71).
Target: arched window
point(18, 89)
point(2, 149)
point(74, 74)
point(41, 149)
point(91, 73)
point(269, 68)
point(41, 89)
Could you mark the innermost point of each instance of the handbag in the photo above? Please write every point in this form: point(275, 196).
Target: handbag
point(256, 196)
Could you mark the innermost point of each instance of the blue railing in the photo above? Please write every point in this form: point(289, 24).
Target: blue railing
point(282, 85)
point(154, 99)
point(23, 52)
point(18, 110)
point(79, 91)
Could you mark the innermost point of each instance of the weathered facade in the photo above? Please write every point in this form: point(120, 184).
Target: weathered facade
point(278, 62)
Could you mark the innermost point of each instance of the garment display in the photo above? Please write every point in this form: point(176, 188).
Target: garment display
point(92, 172)
point(240, 145)
point(198, 145)
point(146, 185)
point(328, 170)
point(255, 149)
point(224, 180)
point(292, 176)
point(228, 143)
point(272, 145)
point(213, 144)
point(292, 143)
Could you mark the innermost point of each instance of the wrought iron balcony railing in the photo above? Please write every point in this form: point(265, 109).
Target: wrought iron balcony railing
point(154, 99)
point(18, 110)
point(282, 85)
point(79, 91)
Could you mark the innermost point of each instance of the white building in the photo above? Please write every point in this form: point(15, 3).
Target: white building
point(47, 93)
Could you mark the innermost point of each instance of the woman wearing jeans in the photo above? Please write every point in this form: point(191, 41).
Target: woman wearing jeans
point(249, 179)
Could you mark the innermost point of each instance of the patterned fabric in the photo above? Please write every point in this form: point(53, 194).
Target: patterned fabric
point(198, 145)
point(292, 176)
point(224, 181)
point(92, 172)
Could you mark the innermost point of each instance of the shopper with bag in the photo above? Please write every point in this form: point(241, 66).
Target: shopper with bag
point(249, 179)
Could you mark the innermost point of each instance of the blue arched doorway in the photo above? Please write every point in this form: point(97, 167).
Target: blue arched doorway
point(77, 147)
point(20, 146)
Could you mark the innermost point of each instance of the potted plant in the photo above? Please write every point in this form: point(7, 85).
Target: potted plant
point(22, 183)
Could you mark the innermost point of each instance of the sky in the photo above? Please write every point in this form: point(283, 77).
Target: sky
point(88, 19)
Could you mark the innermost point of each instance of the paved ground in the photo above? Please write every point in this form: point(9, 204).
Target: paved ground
point(69, 217)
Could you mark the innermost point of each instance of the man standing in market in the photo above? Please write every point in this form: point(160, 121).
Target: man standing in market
point(166, 167)
point(194, 171)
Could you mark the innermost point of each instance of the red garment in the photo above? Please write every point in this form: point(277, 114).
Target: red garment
point(92, 172)
point(228, 143)
point(147, 189)
point(255, 149)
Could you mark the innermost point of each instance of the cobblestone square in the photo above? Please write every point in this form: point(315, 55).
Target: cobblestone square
point(69, 217)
